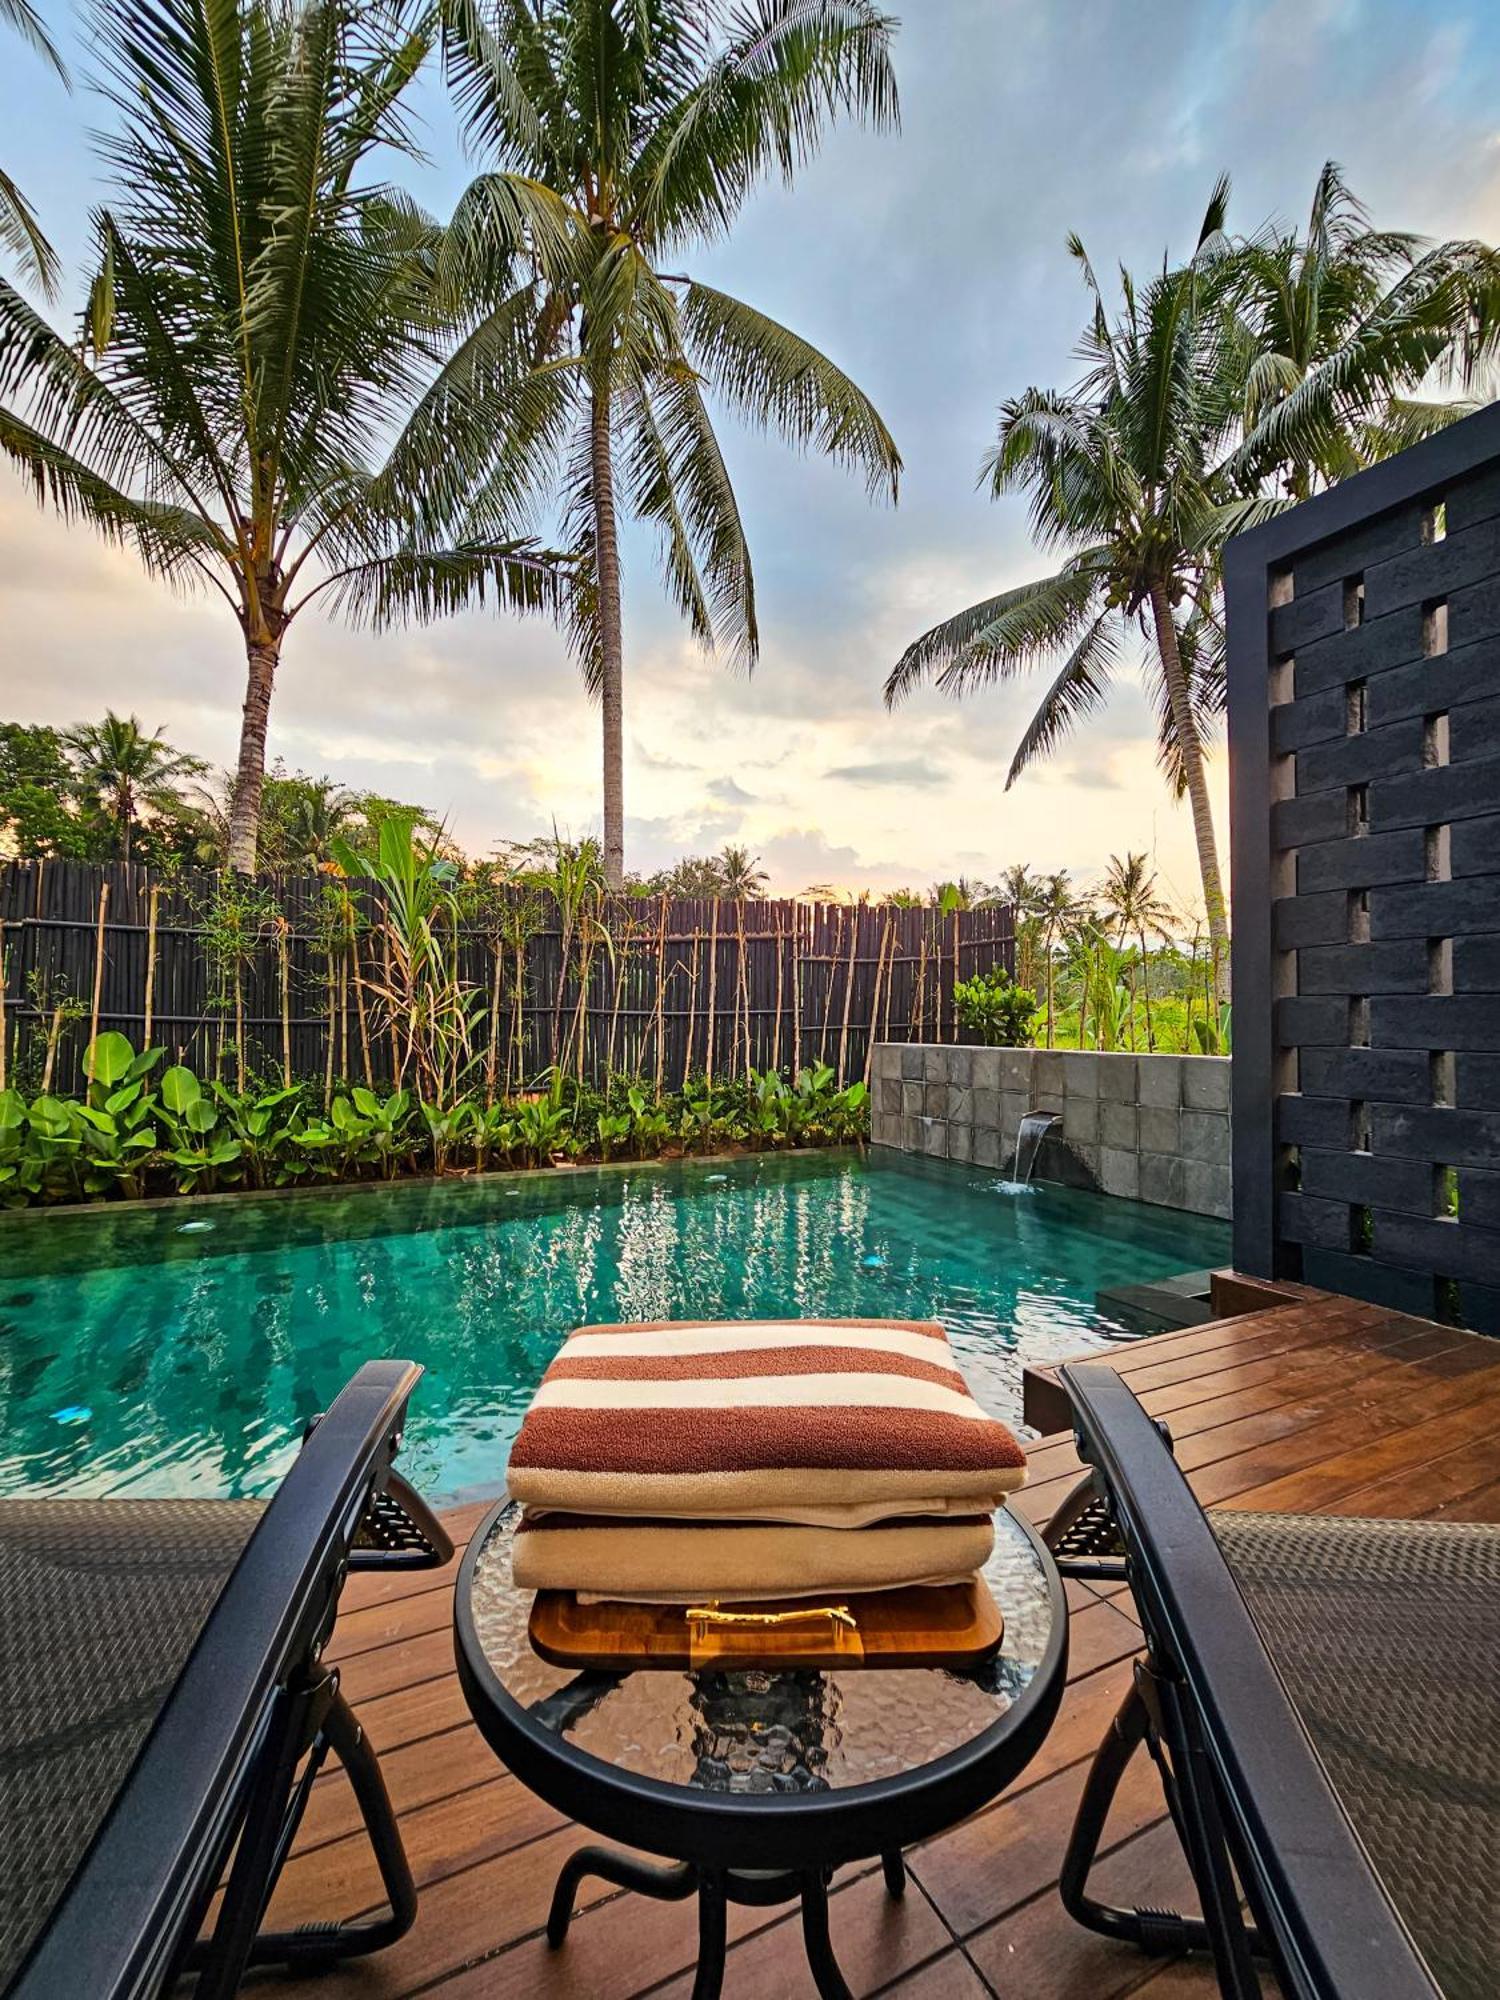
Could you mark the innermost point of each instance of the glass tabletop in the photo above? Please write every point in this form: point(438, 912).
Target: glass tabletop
point(770, 1732)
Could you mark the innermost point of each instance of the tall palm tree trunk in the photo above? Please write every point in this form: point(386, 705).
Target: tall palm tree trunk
point(611, 640)
point(262, 656)
point(1197, 785)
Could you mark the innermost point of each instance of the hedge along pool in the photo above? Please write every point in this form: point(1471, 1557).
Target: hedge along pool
point(179, 1349)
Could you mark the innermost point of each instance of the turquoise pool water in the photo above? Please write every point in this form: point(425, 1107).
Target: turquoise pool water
point(177, 1350)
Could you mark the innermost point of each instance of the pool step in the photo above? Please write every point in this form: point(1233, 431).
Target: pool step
point(1165, 1303)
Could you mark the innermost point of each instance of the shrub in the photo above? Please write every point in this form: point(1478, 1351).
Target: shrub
point(993, 1007)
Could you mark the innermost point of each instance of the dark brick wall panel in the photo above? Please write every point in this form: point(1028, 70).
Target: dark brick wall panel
point(1384, 990)
point(1397, 1076)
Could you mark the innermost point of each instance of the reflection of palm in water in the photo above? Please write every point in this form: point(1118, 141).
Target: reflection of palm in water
point(764, 1732)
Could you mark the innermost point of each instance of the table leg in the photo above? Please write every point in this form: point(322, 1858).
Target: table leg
point(895, 1872)
point(820, 1959)
point(668, 1884)
point(712, 1937)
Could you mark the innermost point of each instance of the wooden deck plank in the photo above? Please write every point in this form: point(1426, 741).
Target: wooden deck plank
point(1329, 1405)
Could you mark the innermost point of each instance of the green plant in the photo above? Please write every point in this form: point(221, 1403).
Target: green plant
point(361, 1131)
point(265, 1125)
point(115, 1119)
point(428, 1009)
point(992, 1006)
point(620, 138)
point(202, 1155)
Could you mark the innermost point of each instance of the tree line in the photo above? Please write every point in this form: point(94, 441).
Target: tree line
point(292, 387)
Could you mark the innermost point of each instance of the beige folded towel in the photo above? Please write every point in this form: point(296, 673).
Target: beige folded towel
point(684, 1562)
point(834, 1424)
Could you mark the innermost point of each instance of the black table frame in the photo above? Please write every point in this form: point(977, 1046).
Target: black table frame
point(762, 1849)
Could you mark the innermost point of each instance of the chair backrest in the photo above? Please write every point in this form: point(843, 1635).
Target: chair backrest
point(1335, 1933)
point(135, 1902)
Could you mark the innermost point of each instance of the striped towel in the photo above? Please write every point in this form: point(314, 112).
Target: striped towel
point(683, 1562)
point(823, 1423)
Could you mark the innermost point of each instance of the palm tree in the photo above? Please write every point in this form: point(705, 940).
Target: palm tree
point(741, 874)
point(20, 232)
point(621, 137)
point(1125, 472)
point(1128, 893)
point(124, 769)
point(1345, 324)
point(1056, 902)
point(253, 390)
point(303, 817)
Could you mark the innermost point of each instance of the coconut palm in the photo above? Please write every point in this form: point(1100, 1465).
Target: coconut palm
point(1128, 894)
point(741, 874)
point(20, 233)
point(1344, 326)
point(622, 134)
point(250, 405)
point(123, 769)
point(1125, 473)
point(1056, 902)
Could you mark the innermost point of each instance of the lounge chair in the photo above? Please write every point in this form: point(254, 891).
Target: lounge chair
point(1318, 1693)
point(164, 1711)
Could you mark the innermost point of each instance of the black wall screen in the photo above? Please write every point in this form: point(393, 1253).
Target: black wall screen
point(1364, 676)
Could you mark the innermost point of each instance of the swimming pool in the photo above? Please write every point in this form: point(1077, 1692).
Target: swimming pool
point(178, 1349)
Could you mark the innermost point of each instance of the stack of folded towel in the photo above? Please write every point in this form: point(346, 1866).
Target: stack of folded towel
point(672, 1462)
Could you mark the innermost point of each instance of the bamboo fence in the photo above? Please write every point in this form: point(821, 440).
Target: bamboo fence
point(663, 988)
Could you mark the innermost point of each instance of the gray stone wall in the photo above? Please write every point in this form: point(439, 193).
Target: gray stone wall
point(1153, 1128)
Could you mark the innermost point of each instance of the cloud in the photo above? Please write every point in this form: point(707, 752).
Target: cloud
point(942, 292)
point(896, 771)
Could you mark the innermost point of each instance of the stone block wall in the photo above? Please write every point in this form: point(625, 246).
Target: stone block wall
point(1152, 1128)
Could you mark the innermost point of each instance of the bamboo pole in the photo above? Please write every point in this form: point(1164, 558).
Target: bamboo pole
point(832, 957)
point(331, 1032)
point(343, 1019)
point(744, 981)
point(780, 994)
point(890, 978)
point(492, 1058)
point(284, 954)
point(713, 992)
point(796, 989)
point(239, 1025)
point(885, 939)
point(953, 1009)
point(98, 975)
point(4, 1031)
point(152, 909)
point(661, 990)
point(848, 996)
point(54, 1034)
point(359, 1003)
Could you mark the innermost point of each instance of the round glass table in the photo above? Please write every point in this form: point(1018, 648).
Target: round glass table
point(757, 1784)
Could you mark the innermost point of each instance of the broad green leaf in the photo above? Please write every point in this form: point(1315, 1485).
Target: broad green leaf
point(108, 1058)
point(179, 1089)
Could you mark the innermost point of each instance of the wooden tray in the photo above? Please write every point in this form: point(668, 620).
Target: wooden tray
point(955, 1625)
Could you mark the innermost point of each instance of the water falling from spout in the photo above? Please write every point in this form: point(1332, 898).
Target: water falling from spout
point(1033, 1128)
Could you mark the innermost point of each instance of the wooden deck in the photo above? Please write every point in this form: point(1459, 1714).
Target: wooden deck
point(1321, 1406)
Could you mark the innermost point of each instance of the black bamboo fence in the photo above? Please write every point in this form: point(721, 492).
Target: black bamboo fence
point(276, 980)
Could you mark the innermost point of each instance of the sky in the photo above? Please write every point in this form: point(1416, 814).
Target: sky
point(931, 266)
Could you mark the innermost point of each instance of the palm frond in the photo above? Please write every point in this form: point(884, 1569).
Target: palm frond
point(1000, 636)
point(21, 234)
point(417, 585)
point(23, 18)
point(774, 378)
point(1080, 686)
point(791, 67)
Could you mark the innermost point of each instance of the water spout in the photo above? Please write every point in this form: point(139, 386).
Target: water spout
point(1033, 1128)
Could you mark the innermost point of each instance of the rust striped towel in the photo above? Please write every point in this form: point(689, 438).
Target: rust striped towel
point(825, 1423)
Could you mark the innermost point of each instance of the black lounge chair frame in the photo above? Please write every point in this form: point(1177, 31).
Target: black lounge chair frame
point(229, 1763)
point(1249, 1797)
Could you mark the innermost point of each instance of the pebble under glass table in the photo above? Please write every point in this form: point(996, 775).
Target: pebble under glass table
point(756, 1785)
